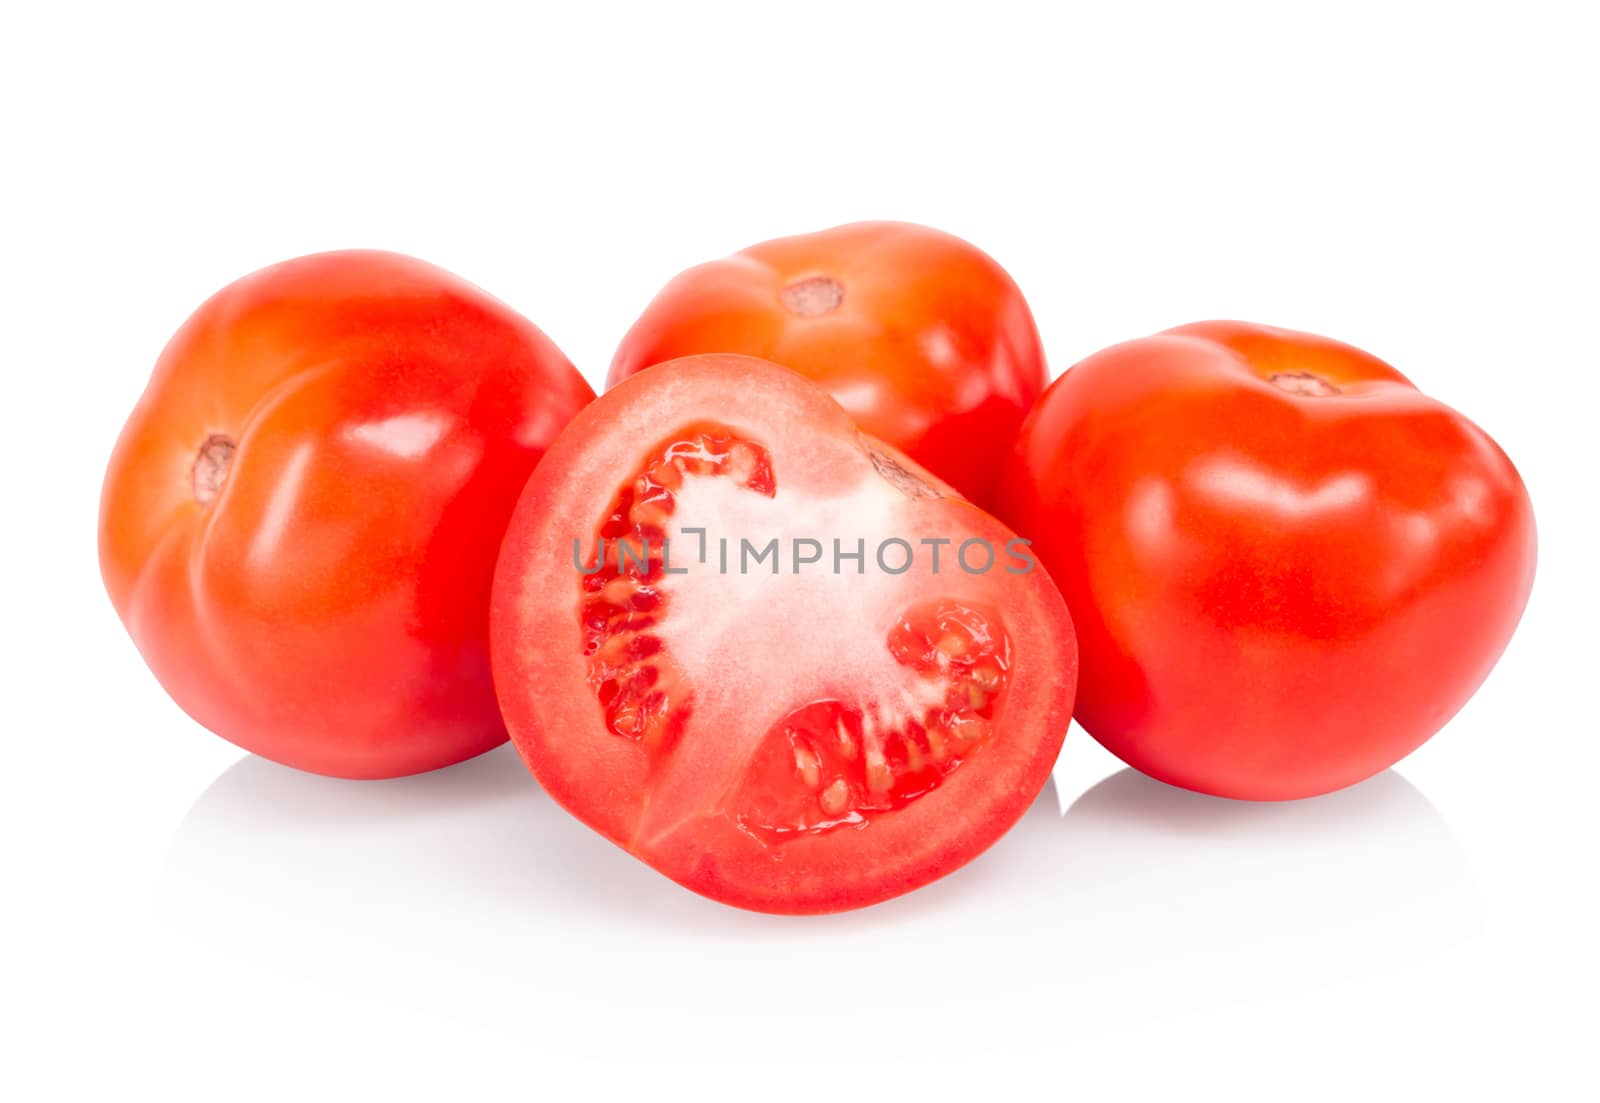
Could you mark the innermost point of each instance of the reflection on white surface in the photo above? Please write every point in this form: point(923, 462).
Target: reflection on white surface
point(1176, 883)
point(1139, 900)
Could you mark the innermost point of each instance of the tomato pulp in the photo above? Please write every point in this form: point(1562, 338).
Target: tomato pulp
point(721, 639)
point(923, 338)
point(1287, 566)
point(300, 521)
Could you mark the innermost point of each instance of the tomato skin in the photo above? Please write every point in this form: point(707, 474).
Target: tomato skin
point(930, 347)
point(328, 607)
point(1277, 594)
point(675, 811)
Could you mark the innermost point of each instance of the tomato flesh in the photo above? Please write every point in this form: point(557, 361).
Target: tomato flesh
point(794, 734)
point(624, 600)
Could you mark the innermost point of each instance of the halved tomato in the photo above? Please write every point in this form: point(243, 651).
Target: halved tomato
point(766, 653)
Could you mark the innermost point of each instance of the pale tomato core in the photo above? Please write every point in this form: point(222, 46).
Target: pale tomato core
point(891, 729)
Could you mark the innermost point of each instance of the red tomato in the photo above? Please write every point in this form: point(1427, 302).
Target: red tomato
point(921, 337)
point(798, 732)
point(1287, 566)
point(300, 522)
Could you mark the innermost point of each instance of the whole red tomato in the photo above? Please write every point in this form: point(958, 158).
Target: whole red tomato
point(300, 521)
point(1287, 566)
point(924, 339)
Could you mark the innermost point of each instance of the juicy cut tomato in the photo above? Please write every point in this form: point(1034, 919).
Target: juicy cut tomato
point(924, 339)
point(767, 654)
point(300, 521)
point(1288, 567)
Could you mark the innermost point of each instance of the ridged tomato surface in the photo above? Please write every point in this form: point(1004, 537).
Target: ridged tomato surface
point(300, 521)
point(921, 336)
point(1287, 565)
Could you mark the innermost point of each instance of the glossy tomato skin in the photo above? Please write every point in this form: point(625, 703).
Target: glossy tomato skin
point(924, 339)
point(300, 520)
point(1287, 566)
point(745, 649)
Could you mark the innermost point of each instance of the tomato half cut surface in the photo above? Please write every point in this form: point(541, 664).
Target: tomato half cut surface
point(767, 654)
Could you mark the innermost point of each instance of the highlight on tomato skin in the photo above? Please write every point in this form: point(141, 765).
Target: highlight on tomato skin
point(300, 520)
point(924, 339)
point(765, 653)
point(1287, 566)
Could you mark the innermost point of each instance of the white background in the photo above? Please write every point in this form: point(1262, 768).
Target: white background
point(1420, 181)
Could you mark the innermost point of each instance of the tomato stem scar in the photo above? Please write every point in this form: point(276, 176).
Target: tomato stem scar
point(1303, 383)
point(813, 296)
point(211, 468)
point(896, 476)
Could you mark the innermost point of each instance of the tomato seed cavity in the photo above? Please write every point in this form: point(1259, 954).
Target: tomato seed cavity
point(632, 677)
point(833, 764)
